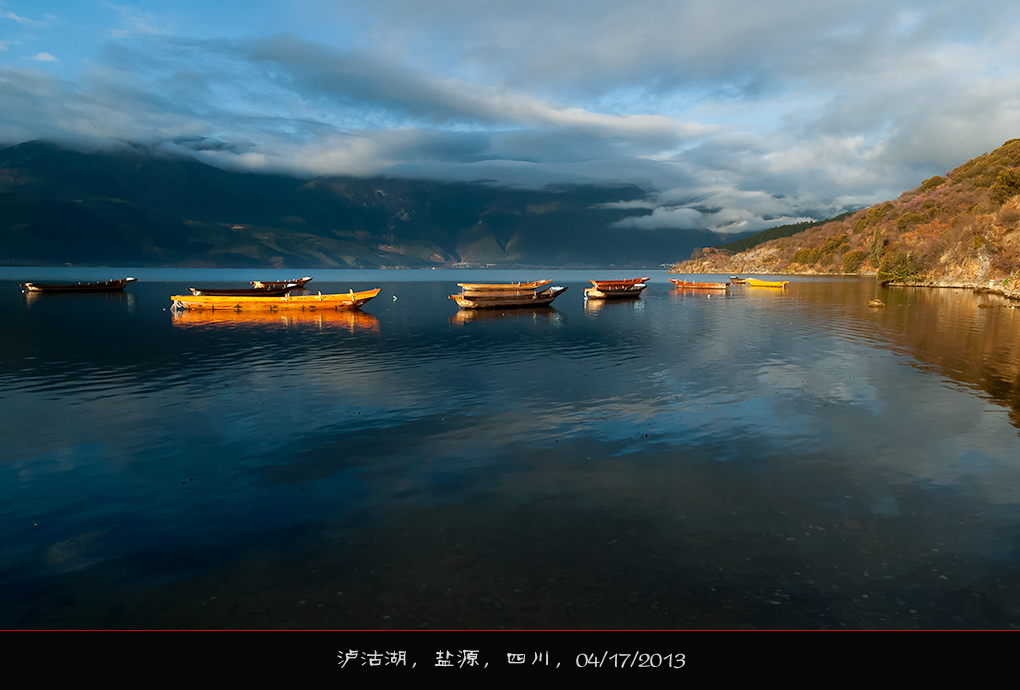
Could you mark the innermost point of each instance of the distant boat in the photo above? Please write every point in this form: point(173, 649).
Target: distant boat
point(295, 284)
point(505, 295)
point(242, 292)
point(335, 302)
point(737, 280)
point(616, 289)
point(688, 285)
point(108, 286)
point(754, 282)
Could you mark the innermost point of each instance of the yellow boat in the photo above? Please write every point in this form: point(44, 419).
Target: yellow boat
point(335, 302)
point(754, 282)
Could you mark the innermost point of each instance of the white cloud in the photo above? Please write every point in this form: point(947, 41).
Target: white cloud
point(45, 57)
point(24, 21)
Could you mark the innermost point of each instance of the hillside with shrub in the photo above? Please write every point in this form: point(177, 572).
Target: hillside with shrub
point(961, 228)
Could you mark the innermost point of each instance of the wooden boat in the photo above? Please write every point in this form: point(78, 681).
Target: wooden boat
point(108, 286)
point(737, 280)
point(295, 284)
point(754, 282)
point(500, 299)
point(243, 292)
point(617, 284)
point(688, 285)
point(335, 302)
point(616, 289)
point(503, 287)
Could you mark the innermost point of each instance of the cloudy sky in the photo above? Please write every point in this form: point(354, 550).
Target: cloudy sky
point(740, 114)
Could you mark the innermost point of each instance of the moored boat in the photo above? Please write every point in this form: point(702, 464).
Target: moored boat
point(618, 284)
point(297, 283)
point(737, 280)
point(336, 302)
point(243, 292)
point(616, 289)
point(106, 286)
point(689, 285)
point(515, 288)
point(754, 282)
point(501, 298)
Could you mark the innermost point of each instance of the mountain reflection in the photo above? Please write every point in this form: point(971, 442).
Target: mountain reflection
point(968, 337)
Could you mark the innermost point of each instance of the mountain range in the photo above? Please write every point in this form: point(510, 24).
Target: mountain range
point(136, 206)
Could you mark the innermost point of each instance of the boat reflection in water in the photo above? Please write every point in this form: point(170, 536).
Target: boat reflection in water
point(33, 298)
point(351, 320)
point(592, 306)
point(545, 313)
point(685, 293)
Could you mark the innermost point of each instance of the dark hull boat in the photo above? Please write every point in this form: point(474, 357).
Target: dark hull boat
point(616, 289)
point(108, 286)
point(501, 298)
point(295, 284)
point(241, 292)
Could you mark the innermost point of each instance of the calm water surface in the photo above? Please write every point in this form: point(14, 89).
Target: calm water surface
point(761, 459)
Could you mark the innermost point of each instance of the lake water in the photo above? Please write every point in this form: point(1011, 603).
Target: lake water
point(757, 459)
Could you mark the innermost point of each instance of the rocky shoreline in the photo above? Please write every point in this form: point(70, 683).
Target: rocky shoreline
point(990, 287)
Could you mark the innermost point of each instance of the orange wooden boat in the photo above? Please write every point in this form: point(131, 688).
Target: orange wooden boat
point(334, 302)
point(688, 285)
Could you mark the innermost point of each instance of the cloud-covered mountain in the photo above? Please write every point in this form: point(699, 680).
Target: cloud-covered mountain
point(135, 205)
